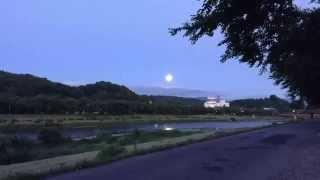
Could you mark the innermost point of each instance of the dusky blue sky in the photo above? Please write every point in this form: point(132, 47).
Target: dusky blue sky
point(125, 42)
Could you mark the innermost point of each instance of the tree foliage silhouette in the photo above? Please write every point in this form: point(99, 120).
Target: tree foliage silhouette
point(272, 35)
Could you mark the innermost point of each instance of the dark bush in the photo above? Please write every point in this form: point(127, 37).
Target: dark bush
point(14, 150)
point(233, 119)
point(111, 152)
point(51, 136)
point(125, 140)
point(106, 137)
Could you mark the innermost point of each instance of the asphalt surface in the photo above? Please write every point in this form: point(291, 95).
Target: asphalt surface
point(289, 152)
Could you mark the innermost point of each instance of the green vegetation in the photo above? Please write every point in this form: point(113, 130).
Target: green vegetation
point(111, 152)
point(258, 104)
point(27, 94)
point(13, 150)
point(21, 94)
point(51, 137)
point(14, 122)
point(37, 169)
point(40, 168)
point(171, 100)
point(274, 35)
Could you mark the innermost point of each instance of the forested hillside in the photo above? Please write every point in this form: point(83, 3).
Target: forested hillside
point(270, 102)
point(28, 94)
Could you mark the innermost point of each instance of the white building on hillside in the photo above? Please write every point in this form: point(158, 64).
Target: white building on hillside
point(216, 103)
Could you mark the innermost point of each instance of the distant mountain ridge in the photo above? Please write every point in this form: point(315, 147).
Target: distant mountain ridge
point(26, 93)
point(26, 85)
point(29, 94)
point(197, 93)
point(175, 92)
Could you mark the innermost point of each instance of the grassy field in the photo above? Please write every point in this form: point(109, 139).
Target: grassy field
point(35, 169)
point(43, 159)
point(17, 151)
point(76, 161)
point(104, 120)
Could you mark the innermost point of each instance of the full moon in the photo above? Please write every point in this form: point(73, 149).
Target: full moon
point(169, 78)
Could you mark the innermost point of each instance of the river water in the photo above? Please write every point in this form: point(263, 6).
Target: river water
point(92, 132)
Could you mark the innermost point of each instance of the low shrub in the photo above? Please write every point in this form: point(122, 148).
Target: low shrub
point(51, 136)
point(14, 150)
point(106, 137)
point(233, 119)
point(111, 152)
point(125, 140)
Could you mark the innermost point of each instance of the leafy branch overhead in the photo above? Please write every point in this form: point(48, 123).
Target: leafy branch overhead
point(273, 35)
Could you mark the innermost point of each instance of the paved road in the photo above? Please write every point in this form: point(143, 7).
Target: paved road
point(290, 152)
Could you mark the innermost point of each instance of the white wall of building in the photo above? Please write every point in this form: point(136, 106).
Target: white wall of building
point(216, 103)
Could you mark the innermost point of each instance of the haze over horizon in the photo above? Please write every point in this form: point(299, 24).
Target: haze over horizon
point(78, 42)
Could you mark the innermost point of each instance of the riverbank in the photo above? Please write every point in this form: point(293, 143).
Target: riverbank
point(288, 152)
point(89, 159)
point(51, 143)
point(38, 121)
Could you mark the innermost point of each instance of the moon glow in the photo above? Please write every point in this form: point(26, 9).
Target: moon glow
point(169, 78)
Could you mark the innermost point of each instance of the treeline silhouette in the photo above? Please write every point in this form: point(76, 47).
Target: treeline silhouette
point(261, 103)
point(28, 94)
